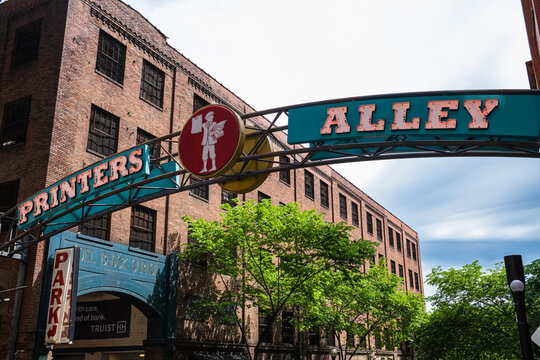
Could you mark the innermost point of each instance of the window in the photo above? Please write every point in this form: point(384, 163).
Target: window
point(103, 133)
point(227, 313)
point(330, 338)
point(390, 237)
point(413, 245)
point(228, 197)
point(262, 196)
point(354, 213)
point(392, 266)
point(309, 185)
point(381, 258)
point(8, 199)
point(26, 44)
point(111, 57)
point(152, 81)
point(285, 174)
point(142, 229)
point(192, 312)
point(15, 123)
point(416, 282)
point(350, 340)
point(343, 206)
point(379, 229)
point(408, 248)
point(378, 341)
point(287, 328)
point(369, 222)
point(400, 268)
point(200, 191)
point(265, 332)
point(325, 202)
point(199, 261)
point(398, 241)
point(199, 102)
point(155, 148)
point(314, 337)
point(98, 227)
point(411, 279)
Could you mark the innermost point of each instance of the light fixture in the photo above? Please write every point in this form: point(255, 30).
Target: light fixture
point(333, 353)
point(517, 286)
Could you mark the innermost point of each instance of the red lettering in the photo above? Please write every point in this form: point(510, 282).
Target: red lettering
point(54, 196)
point(82, 179)
point(59, 278)
point(99, 177)
point(24, 209)
point(52, 331)
point(60, 258)
point(118, 165)
point(53, 315)
point(40, 203)
point(56, 294)
point(67, 188)
point(134, 160)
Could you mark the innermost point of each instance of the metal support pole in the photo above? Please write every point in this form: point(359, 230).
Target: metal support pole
point(516, 281)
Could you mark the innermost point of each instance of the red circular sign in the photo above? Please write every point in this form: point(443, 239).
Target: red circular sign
point(211, 141)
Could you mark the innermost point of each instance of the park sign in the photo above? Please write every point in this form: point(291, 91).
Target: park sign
point(84, 184)
point(458, 115)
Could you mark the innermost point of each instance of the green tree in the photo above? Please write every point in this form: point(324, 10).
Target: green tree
point(473, 314)
point(362, 305)
point(267, 256)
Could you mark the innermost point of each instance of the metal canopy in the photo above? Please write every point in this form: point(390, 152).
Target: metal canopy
point(315, 154)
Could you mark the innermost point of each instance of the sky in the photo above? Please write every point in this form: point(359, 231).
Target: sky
point(284, 52)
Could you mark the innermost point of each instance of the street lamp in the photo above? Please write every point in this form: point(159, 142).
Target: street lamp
point(516, 282)
point(333, 353)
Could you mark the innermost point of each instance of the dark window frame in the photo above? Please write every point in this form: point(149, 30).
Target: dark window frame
point(354, 214)
point(378, 224)
point(155, 148)
point(325, 198)
point(400, 269)
point(15, 122)
point(98, 227)
point(227, 197)
point(26, 45)
point(390, 236)
point(104, 126)
point(413, 250)
point(409, 248)
point(262, 196)
point(152, 84)
point(392, 266)
point(199, 102)
point(369, 222)
point(411, 281)
point(265, 336)
point(111, 58)
point(309, 185)
point(314, 337)
point(343, 206)
point(287, 328)
point(9, 193)
point(285, 174)
point(416, 281)
point(138, 212)
point(200, 192)
point(398, 241)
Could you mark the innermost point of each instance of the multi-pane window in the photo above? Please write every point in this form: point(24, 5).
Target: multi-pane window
point(369, 223)
point(26, 44)
point(228, 197)
point(413, 245)
point(350, 340)
point(155, 148)
point(191, 304)
point(378, 341)
point(400, 269)
point(15, 122)
point(262, 196)
point(201, 191)
point(143, 228)
point(98, 227)
point(390, 237)
point(199, 102)
point(343, 206)
point(8, 199)
point(408, 248)
point(287, 328)
point(416, 281)
point(354, 213)
point(192, 241)
point(398, 241)
point(381, 257)
point(411, 281)
point(284, 174)
point(325, 200)
point(152, 81)
point(103, 132)
point(314, 337)
point(265, 332)
point(111, 57)
point(309, 185)
point(330, 338)
point(392, 266)
point(379, 229)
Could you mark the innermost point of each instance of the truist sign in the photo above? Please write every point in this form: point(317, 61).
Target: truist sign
point(88, 182)
point(63, 297)
point(508, 115)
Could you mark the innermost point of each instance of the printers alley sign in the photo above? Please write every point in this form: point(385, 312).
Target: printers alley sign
point(450, 115)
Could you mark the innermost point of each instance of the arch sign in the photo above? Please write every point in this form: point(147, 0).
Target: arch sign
point(490, 115)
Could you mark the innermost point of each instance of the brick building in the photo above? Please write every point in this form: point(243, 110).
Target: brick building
point(81, 80)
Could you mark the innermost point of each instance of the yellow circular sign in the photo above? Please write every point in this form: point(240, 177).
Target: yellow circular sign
point(250, 183)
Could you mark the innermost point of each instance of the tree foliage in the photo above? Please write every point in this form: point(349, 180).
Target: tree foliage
point(473, 314)
point(269, 257)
